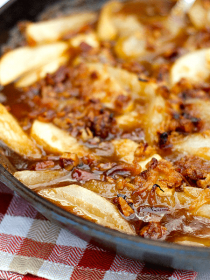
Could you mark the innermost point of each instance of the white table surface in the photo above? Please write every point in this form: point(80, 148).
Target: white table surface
point(2, 2)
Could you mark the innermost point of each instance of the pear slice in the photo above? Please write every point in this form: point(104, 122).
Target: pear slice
point(88, 205)
point(199, 15)
point(194, 66)
point(196, 144)
point(155, 118)
point(132, 46)
point(37, 74)
point(113, 83)
point(56, 140)
point(200, 108)
point(14, 137)
point(128, 120)
point(106, 28)
point(203, 211)
point(42, 178)
point(107, 83)
point(53, 30)
point(132, 39)
point(89, 38)
point(127, 25)
point(21, 60)
point(125, 149)
point(126, 80)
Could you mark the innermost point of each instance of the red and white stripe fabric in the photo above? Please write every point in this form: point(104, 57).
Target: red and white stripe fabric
point(33, 248)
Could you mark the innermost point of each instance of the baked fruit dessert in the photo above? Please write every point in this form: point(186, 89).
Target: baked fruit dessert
point(107, 115)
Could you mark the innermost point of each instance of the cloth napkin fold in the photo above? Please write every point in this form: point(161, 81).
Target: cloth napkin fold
point(33, 248)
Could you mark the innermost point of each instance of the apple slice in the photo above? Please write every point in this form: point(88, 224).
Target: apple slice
point(88, 205)
point(107, 88)
point(155, 118)
point(199, 14)
point(128, 120)
point(14, 137)
point(42, 178)
point(196, 144)
point(126, 80)
point(127, 25)
point(106, 29)
point(132, 46)
point(53, 30)
point(125, 149)
point(89, 38)
point(56, 140)
point(203, 211)
point(132, 39)
point(21, 60)
point(37, 74)
point(194, 66)
point(200, 108)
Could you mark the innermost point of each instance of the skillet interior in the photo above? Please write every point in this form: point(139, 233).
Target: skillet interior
point(163, 253)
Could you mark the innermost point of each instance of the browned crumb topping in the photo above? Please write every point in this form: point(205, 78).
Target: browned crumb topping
point(193, 168)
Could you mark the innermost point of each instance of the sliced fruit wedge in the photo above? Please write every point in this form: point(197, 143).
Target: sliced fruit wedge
point(201, 109)
point(42, 178)
point(14, 137)
point(128, 120)
point(88, 205)
point(199, 14)
point(125, 79)
point(53, 30)
point(203, 211)
point(56, 140)
point(37, 74)
point(132, 46)
point(19, 61)
point(124, 149)
point(127, 25)
point(132, 39)
point(196, 144)
point(108, 89)
point(155, 118)
point(89, 38)
point(106, 29)
point(194, 66)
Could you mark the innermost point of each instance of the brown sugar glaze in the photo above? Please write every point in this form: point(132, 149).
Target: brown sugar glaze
point(63, 99)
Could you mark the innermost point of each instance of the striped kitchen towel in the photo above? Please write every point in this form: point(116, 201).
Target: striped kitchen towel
point(34, 248)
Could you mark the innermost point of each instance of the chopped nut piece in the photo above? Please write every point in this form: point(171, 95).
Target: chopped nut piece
point(125, 208)
point(44, 165)
point(153, 231)
point(69, 160)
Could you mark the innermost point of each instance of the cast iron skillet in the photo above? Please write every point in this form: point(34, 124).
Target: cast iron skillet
point(158, 252)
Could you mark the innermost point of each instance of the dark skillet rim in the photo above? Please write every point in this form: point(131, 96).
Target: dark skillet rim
point(31, 196)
